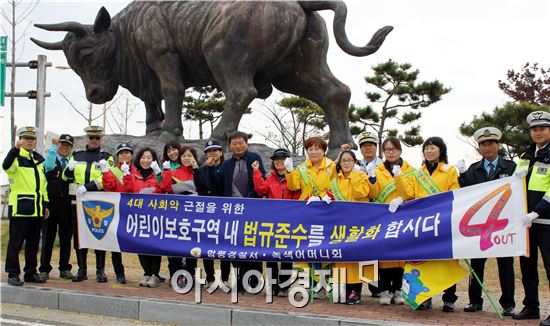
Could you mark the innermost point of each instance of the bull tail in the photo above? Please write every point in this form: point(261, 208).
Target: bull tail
point(340, 14)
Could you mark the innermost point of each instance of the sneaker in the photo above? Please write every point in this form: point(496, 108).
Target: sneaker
point(121, 279)
point(448, 307)
point(283, 293)
point(67, 275)
point(33, 278)
point(153, 282)
point(426, 305)
point(321, 294)
point(15, 281)
point(209, 284)
point(45, 276)
point(353, 298)
point(397, 298)
point(473, 307)
point(144, 280)
point(181, 282)
point(385, 298)
point(100, 276)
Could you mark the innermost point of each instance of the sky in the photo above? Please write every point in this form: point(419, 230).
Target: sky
point(466, 45)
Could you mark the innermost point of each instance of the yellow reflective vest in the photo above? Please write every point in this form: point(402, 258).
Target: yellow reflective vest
point(311, 180)
point(444, 177)
point(28, 194)
point(538, 183)
point(384, 190)
point(87, 171)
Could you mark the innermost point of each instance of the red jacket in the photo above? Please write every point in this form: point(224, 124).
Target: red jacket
point(134, 182)
point(182, 173)
point(272, 187)
point(110, 181)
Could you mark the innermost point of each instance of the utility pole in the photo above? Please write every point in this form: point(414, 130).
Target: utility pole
point(39, 95)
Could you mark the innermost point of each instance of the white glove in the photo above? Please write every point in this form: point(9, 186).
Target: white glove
point(370, 170)
point(71, 165)
point(356, 168)
point(289, 165)
point(528, 218)
point(81, 190)
point(155, 166)
point(520, 173)
point(103, 166)
point(312, 199)
point(125, 168)
point(396, 170)
point(166, 165)
point(326, 199)
point(395, 203)
point(461, 166)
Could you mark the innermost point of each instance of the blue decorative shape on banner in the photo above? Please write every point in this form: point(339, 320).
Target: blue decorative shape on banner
point(98, 215)
point(284, 230)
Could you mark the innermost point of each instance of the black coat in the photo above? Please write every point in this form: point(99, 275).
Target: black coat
point(476, 173)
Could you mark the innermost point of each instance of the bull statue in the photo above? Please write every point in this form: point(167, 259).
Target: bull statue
point(157, 49)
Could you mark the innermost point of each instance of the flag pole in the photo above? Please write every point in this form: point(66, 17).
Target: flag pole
point(499, 314)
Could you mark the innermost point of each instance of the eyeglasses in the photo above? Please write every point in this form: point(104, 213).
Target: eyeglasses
point(391, 150)
point(347, 161)
point(94, 137)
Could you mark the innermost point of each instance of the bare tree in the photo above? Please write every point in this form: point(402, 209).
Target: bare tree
point(294, 120)
point(87, 114)
point(121, 115)
point(15, 14)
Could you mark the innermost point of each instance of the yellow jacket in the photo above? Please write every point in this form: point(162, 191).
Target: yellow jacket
point(354, 187)
point(444, 177)
point(383, 178)
point(321, 177)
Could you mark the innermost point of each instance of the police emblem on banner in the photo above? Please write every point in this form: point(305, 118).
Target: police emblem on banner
point(98, 215)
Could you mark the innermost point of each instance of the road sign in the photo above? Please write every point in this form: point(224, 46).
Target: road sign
point(3, 48)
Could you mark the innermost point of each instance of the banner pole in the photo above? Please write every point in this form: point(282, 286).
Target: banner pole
point(499, 314)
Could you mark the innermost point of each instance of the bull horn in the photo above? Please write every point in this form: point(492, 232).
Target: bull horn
point(48, 45)
point(74, 27)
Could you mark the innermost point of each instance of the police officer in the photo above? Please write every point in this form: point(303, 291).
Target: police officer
point(491, 167)
point(535, 164)
point(57, 159)
point(368, 145)
point(84, 173)
point(28, 205)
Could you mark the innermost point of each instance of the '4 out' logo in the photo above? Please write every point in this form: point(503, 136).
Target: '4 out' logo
point(492, 224)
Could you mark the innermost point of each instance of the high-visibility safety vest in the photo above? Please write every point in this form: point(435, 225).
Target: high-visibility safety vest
point(538, 183)
point(29, 195)
point(87, 171)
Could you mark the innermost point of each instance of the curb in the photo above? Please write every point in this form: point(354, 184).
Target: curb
point(168, 311)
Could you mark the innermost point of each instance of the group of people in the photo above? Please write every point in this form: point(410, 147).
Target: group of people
point(43, 194)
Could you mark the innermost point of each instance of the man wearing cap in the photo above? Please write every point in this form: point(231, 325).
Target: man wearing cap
point(368, 145)
point(534, 164)
point(57, 159)
point(27, 207)
point(491, 167)
point(84, 174)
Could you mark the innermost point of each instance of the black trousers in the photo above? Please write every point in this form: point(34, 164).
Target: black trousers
point(245, 266)
point(150, 264)
point(538, 239)
point(390, 279)
point(82, 254)
point(505, 275)
point(28, 230)
point(225, 266)
point(449, 295)
point(60, 217)
point(174, 265)
point(275, 273)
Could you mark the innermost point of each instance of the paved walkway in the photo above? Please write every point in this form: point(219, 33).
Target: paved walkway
point(368, 311)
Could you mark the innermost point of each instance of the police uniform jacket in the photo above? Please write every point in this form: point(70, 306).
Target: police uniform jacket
point(28, 196)
point(538, 184)
point(476, 173)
